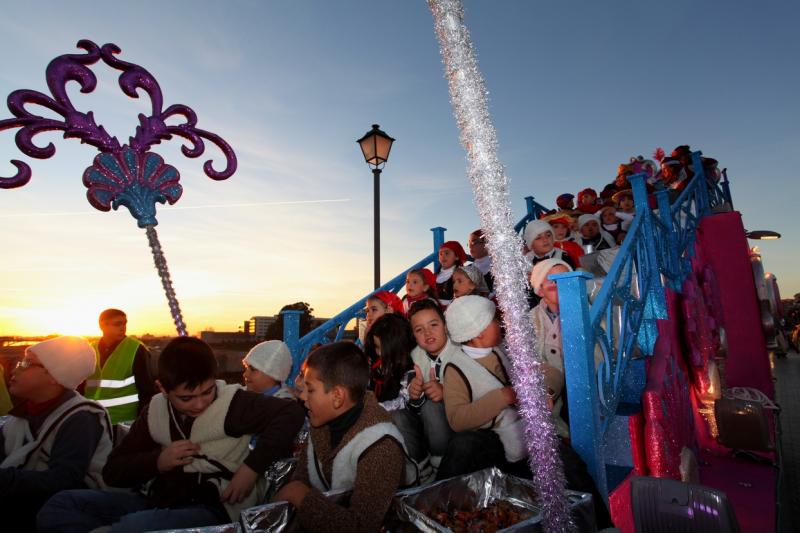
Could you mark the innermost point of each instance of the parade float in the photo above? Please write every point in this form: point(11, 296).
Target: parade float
point(676, 424)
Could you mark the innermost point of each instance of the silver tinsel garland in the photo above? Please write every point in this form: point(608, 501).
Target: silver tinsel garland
point(490, 186)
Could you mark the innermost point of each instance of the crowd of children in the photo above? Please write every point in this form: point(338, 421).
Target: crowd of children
point(429, 397)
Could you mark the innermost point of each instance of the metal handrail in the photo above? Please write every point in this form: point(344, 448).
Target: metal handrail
point(300, 347)
point(621, 323)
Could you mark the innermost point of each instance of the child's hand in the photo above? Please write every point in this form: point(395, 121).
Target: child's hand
point(240, 486)
point(509, 395)
point(178, 453)
point(415, 385)
point(293, 492)
point(433, 389)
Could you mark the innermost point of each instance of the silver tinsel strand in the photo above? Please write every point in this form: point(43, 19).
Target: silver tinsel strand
point(166, 282)
point(490, 186)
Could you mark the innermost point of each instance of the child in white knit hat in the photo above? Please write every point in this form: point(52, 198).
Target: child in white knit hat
point(54, 439)
point(267, 367)
point(478, 397)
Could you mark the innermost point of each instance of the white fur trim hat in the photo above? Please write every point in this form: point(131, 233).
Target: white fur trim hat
point(272, 358)
point(583, 219)
point(534, 229)
point(70, 360)
point(468, 316)
point(539, 273)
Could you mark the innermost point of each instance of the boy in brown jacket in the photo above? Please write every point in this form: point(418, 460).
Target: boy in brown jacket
point(352, 445)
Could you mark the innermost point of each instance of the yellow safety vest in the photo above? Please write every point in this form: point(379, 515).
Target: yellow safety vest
point(114, 385)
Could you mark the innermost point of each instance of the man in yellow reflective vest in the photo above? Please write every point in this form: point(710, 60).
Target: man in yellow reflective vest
point(121, 381)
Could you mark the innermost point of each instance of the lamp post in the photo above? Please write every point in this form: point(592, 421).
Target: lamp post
point(375, 145)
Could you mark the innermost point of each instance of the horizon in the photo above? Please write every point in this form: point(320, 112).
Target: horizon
point(291, 86)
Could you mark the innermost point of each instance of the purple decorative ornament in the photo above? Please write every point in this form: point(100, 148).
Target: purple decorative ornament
point(128, 175)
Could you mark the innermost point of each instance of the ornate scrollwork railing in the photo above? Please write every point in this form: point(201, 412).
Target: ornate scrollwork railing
point(604, 340)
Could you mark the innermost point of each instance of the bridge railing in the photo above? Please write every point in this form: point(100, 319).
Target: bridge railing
point(334, 329)
point(620, 325)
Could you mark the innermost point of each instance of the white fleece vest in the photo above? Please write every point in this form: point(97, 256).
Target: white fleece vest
point(208, 431)
point(25, 452)
point(345, 464)
point(425, 363)
point(508, 425)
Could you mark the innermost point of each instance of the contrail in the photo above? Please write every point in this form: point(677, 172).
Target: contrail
point(208, 206)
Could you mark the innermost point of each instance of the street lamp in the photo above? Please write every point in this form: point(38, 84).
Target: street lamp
point(762, 235)
point(375, 145)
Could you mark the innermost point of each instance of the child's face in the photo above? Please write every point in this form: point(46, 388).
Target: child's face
point(549, 290)
point(462, 285)
point(376, 341)
point(376, 309)
point(543, 243)
point(255, 380)
point(561, 231)
point(491, 336)
point(590, 230)
point(477, 246)
point(192, 402)
point(447, 257)
point(588, 199)
point(321, 404)
point(609, 216)
point(626, 203)
point(415, 285)
point(429, 331)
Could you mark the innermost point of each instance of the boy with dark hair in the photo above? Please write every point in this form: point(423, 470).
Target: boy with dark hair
point(121, 381)
point(352, 444)
point(189, 447)
point(54, 438)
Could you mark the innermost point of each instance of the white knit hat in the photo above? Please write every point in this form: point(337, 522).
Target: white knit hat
point(540, 270)
point(535, 228)
point(468, 316)
point(272, 358)
point(70, 360)
point(583, 219)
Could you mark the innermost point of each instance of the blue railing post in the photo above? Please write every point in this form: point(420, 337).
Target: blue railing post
point(531, 207)
point(578, 347)
point(671, 265)
point(702, 190)
point(291, 336)
point(726, 187)
point(438, 240)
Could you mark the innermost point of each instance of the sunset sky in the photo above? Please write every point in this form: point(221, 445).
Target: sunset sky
point(576, 88)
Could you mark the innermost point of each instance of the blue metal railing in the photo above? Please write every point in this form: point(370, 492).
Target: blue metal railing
point(623, 316)
point(333, 329)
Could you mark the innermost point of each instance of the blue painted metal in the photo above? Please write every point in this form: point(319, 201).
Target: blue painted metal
point(438, 240)
point(534, 210)
point(334, 328)
point(621, 323)
point(578, 340)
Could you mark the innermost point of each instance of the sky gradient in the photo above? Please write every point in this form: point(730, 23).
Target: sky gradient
point(575, 89)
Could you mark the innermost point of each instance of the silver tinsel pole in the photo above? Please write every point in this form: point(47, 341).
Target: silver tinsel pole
point(166, 282)
point(490, 186)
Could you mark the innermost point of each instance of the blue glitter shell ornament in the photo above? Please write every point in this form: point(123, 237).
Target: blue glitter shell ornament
point(132, 179)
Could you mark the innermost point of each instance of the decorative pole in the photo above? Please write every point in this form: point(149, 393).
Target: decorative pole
point(490, 187)
point(128, 175)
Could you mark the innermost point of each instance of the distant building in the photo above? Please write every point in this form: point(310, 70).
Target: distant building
point(257, 326)
point(224, 337)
